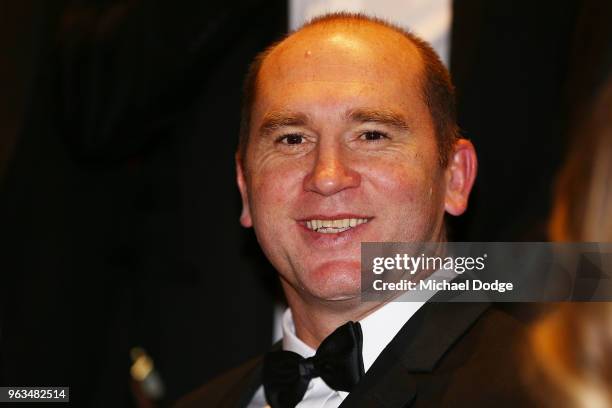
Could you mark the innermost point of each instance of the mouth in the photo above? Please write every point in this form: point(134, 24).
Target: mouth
point(333, 225)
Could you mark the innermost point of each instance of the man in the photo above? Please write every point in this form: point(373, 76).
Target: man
point(349, 137)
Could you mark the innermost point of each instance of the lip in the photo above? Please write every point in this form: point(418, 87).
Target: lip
point(322, 241)
point(340, 216)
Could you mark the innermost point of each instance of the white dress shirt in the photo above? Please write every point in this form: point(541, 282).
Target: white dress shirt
point(378, 329)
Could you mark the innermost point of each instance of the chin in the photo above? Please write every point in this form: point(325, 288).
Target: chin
point(334, 281)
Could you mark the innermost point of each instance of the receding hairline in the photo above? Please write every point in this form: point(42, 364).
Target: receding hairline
point(326, 24)
point(433, 78)
point(347, 22)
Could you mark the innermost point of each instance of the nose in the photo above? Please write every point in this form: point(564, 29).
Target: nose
point(331, 173)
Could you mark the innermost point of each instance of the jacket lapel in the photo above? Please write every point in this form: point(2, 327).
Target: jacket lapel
point(417, 348)
point(243, 392)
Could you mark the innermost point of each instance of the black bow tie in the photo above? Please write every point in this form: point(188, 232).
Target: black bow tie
point(338, 362)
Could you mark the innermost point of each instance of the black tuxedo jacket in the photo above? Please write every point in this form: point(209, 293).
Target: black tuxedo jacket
point(446, 355)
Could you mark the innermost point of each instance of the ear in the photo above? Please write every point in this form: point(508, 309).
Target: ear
point(245, 215)
point(460, 175)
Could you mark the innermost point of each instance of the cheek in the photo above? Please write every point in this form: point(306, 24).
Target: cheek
point(274, 189)
point(397, 183)
point(407, 195)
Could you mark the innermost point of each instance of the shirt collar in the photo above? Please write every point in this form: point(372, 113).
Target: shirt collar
point(381, 326)
point(291, 342)
point(378, 330)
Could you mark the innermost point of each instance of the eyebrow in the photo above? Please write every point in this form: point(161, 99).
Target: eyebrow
point(384, 117)
point(280, 119)
point(276, 120)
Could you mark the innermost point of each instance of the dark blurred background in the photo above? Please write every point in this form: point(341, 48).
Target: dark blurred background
point(118, 206)
point(119, 210)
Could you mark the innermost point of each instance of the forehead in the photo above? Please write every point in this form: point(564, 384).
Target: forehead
point(328, 64)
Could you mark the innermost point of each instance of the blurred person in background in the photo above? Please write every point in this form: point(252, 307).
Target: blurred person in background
point(571, 348)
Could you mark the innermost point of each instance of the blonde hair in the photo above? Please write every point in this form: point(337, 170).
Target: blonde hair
point(571, 352)
point(570, 361)
point(583, 194)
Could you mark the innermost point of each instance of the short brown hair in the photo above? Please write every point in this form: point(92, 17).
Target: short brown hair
point(437, 88)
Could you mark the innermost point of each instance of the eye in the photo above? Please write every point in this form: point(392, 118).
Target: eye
point(291, 139)
point(373, 136)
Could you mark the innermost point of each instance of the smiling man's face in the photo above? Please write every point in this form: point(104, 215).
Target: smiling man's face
point(341, 150)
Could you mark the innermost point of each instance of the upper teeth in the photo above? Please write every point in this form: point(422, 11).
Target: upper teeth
point(334, 226)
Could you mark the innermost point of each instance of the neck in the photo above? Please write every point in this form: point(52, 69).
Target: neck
point(316, 319)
